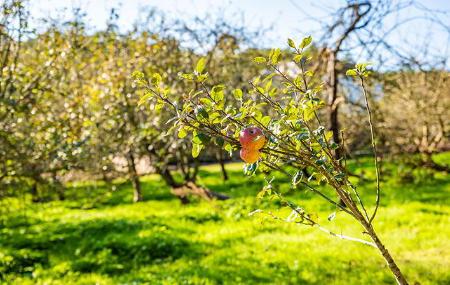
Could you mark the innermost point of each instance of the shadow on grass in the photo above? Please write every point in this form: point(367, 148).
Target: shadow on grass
point(99, 245)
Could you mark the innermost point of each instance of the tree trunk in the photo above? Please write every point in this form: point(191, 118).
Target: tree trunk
point(137, 196)
point(107, 180)
point(194, 172)
point(35, 192)
point(333, 104)
point(59, 187)
point(222, 165)
point(401, 280)
point(167, 176)
point(188, 187)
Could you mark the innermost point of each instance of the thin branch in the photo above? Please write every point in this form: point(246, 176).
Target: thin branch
point(344, 237)
point(313, 223)
point(374, 147)
point(276, 167)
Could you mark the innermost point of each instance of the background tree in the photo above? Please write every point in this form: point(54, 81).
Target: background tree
point(415, 113)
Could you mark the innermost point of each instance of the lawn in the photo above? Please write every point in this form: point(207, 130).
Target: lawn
point(99, 236)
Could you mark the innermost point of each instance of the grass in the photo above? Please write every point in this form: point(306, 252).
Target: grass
point(100, 237)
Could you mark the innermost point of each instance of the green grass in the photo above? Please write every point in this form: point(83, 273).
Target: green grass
point(101, 237)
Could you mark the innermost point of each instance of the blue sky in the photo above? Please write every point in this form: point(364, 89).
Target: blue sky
point(289, 18)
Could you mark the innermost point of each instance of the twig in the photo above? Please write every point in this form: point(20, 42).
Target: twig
point(374, 147)
point(313, 223)
point(344, 237)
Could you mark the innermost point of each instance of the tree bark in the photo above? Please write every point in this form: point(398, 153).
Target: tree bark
point(333, 103)
point(59, 187)
point(188, 187)
point(222, 165)
point(34, 192)
point(400, 278)
point(134, 177)
point(107, 179)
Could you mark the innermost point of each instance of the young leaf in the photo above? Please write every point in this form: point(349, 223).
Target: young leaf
point(265, 120)
point(237, 94)
point(298, 57)
point(351, 72)
point(291, 43)
point(182, 133)
point(306, 42)
point(156, 79)
point(260, 59)
point(275, 55)
point(200, 65)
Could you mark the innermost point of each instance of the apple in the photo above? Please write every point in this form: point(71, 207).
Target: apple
point(250, 155)
point(252, 138)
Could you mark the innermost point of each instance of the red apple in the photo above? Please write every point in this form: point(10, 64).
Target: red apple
point(250, 155)
point(252, 138)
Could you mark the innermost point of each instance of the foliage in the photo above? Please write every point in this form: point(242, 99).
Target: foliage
point(69, 104)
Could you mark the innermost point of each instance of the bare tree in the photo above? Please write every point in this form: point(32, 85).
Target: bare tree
point(364, 28)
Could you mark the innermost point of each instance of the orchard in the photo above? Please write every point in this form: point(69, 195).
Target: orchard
point(193, 144)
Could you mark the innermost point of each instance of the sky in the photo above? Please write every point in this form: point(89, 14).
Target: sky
point(288, 18)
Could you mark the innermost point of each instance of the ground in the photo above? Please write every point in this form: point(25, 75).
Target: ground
point(101, 237)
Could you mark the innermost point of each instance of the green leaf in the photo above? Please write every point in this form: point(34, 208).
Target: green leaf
point(229, 148)
point(237, 94)
point(205, 101)
point(260, 59)
point(261, 193)
point(217, 93)
point(291, 43)
point(200, 65)
point(201, 138)
point(201, 113)
point(182, 133)
point(303, 136)
point(137, 75)
point(159, 105)
point(309, 73)
point(202, 77)
point(196, 149)
point(265, 120)
point(275, 56)
point(298, 57)
point(268, 85)
point(187, 76)
point(156, 79)
point(306, 42)
point(219, 141)
point(351, 72)
point(144, 98)
point(139, 78)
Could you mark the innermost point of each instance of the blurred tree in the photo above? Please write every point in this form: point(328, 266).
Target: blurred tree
point(415, 113)
point(41, 125)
